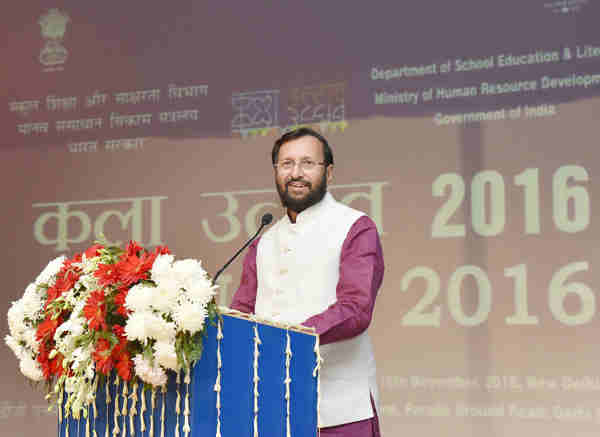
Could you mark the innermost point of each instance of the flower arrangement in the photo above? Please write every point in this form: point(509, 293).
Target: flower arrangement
point(132, 311)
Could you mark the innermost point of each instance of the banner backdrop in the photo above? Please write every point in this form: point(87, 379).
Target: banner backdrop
point(466, 131)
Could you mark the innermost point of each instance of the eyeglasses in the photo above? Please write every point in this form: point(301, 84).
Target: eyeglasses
point(306, 165)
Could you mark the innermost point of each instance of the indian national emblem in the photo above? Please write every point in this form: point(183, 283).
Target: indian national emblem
point(54, 25)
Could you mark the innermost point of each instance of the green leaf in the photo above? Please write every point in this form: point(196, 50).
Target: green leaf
point(196, 352)
point(147, 354)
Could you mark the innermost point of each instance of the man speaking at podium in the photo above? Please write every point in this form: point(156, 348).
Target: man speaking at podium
point(320, 265)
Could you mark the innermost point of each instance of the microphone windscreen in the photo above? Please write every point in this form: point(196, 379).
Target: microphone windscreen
point(266, 219)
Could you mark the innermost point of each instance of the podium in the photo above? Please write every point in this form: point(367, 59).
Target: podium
point(253, 379)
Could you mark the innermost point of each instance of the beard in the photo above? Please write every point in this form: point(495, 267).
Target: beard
point(314, 195)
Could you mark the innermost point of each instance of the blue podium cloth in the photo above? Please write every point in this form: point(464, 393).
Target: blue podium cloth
point(236, 395)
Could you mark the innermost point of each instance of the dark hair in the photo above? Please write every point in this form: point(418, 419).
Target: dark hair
point(299, 133)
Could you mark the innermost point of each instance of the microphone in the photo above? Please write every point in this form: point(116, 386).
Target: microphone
point(264, 221)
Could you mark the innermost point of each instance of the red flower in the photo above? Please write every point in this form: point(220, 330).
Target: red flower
point(133, 268)
point(93, 251)
point(102, 356)
point(50, 367)
point(119, 331)
point(56, 367)
point(42, 358)
point(68, 264)
point(162, 250)
point(45, 330)
point(124, 365)
point(120, 355)
point(66, 281)
point(52, 294)
point(107, 274)
point(133, 248)
point(120, 302)
point(95, 311)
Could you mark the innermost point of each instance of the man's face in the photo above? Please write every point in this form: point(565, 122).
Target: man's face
point(298, 188)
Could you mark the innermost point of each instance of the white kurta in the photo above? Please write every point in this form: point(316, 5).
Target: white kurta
point(298, 271)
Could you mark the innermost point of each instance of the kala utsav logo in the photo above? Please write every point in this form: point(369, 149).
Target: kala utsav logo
point(54, 25)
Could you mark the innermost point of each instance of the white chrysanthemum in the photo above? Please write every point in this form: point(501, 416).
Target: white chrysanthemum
point(15, 316)
point(189, 316)
point(144, 325)
point(53, 267)
point(160, 329)
point(165, 355)
point(31, 368)
point(30, 290)
point(162, 268)
point(164, 299)
point(153, 375)
point(139, 298)
point(14, 346)
point(188, 266)
point(31, 341)
point(189, 272)
point(170, 283)
point(32, 302)
point(201, 292)
point(137, 326)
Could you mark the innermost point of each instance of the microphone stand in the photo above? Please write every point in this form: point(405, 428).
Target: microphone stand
point(266, 219)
